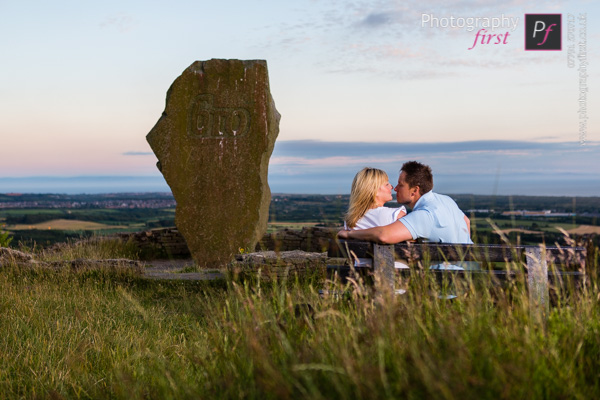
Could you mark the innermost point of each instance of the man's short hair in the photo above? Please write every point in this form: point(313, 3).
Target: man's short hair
point(417, 174)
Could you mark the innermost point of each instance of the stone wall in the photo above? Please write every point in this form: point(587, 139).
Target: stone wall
point(158, 243)
point(313, 239)
point(279, 266)
point(169, 243)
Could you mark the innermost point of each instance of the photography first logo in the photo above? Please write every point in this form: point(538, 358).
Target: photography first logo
point(485, 27)
point(543, 32)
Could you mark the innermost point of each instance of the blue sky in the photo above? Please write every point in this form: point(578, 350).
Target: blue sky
point(357, 83)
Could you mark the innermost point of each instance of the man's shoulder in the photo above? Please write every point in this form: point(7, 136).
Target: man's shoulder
point(433, 198)
point(439, 196)
point(439, 205)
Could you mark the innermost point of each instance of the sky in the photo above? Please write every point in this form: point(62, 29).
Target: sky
point(358, 83)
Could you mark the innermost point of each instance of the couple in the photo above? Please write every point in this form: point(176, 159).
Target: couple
point(434, 217)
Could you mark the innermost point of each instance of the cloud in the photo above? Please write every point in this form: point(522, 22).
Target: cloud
point(121, 22)
point(375, 20)
point(138, 153)
point(318, 149)
point(384, 38)
point(456, 157)
point(331, 161)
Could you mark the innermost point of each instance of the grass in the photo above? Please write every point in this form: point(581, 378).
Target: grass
point(94, 248)
point(100, 334)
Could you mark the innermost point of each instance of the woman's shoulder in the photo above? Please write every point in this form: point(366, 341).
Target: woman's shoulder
point(385, 210)
point(377, 217)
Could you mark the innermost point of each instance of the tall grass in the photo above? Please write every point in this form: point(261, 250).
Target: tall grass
point(94, 248)
point(80, 334)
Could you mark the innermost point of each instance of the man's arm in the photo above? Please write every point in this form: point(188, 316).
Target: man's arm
point(388, 234)
point(468, 221)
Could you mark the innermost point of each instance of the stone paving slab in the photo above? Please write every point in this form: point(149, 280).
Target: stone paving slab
point(169, 270)
point(185, 276)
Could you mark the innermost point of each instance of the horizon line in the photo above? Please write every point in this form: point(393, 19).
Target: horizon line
point(274, 194)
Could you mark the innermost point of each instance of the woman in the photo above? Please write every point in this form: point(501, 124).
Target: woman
point(371, 189)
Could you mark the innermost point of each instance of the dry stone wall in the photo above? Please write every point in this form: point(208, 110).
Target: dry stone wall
point(169, 243)
point(313, 239)
point(280, 265)
point(158, 243)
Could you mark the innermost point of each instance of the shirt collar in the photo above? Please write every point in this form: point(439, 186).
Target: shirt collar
point(423, 199)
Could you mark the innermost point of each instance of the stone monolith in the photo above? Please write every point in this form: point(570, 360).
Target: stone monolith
point(213, 142)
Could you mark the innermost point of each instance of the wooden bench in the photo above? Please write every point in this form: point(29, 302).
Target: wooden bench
point(534, 259)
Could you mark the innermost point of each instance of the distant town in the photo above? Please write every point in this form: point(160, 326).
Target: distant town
point(104, 201)
point(523, 213)
point(543, 213)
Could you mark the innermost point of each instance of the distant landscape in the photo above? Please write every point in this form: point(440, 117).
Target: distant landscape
point(325, 180)
point(45, 219)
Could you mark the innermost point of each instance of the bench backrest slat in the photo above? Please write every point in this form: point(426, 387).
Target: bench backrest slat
point(458, 252)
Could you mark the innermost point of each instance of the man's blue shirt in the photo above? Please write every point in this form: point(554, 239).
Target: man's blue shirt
point(437, 218)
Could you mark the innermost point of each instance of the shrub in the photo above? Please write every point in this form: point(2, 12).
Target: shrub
point(5, 239)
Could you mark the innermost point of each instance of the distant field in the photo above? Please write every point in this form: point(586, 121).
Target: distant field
point(520, 231)
point(521, 225)
point(585, 229)
point(67, 225)
point(291, 224)
point(21, 211)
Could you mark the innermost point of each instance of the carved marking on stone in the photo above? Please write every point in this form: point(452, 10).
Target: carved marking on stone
point(206, 121)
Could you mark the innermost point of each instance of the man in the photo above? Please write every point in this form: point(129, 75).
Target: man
point(434, 217)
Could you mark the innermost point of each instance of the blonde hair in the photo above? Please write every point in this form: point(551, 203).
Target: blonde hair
point(362, 196)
